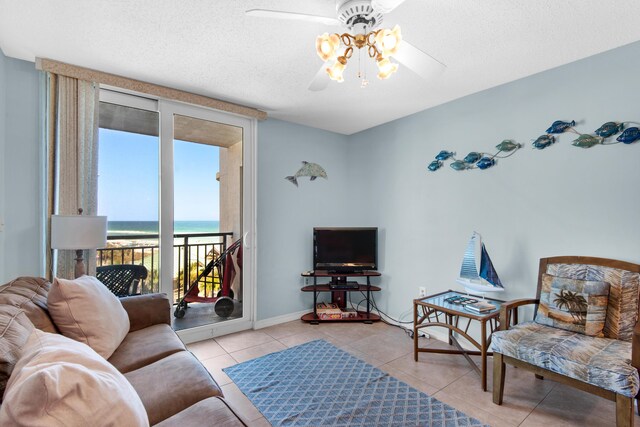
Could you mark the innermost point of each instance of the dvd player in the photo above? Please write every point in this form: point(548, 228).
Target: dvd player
point(349, 285)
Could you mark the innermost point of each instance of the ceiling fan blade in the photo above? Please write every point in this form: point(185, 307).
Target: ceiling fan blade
point(321, 80)
point(385, 6)
point(278, 14)
point(419, 62)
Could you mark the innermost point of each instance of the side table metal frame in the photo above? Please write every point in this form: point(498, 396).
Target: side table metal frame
point(430, 317)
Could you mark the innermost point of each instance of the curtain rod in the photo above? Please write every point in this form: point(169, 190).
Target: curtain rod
point(82, 73)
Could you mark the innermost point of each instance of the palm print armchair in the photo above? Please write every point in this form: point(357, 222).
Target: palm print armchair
point(585, 332)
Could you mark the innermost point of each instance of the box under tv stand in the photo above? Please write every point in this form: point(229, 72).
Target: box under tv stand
point(339, 295)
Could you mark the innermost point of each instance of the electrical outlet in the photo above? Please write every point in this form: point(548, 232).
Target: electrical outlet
point(422, 292)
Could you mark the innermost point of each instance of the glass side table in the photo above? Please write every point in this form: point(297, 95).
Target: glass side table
point(435, 310)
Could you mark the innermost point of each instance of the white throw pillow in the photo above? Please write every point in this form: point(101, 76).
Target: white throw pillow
point(61, 382)
point(85, 310)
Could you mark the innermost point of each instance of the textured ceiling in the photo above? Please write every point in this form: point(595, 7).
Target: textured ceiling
point(211, 48)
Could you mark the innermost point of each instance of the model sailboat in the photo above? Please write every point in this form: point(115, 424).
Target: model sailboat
point(476, 258)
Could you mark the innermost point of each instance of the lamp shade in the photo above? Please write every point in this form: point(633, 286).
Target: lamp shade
point(78, 232)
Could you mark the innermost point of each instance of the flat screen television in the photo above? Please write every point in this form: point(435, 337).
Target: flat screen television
point(345, 249)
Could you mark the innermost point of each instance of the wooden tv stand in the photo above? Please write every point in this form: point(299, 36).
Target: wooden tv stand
point(339, 296)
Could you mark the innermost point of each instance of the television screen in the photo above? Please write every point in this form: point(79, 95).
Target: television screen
point(345, 249)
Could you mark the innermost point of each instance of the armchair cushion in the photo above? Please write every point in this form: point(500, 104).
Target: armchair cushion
point(572, 304)
point(622, 312)
point(603, 362)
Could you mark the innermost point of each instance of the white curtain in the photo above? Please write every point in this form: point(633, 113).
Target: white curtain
point(73, 157)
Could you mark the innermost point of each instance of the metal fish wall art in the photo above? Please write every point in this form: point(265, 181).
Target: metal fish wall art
point(435, 165)
point(486, 162)
point(475, 159)
point(559, 126)
point(444, 155)
point(482, 161)
point(586, 141)
point(629, 135)
point(543, 141)
point(508, 145)
point(458, 165)
point(609, 129)
point(312, 170)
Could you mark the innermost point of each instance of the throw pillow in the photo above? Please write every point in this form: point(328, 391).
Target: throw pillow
point(15, 329)
point(573, 305)
point(85, 310)
point(61, 382)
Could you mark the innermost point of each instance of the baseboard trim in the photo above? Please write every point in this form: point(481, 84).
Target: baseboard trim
point(272, 321)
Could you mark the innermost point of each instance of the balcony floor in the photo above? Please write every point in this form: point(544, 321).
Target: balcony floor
point(200, 314)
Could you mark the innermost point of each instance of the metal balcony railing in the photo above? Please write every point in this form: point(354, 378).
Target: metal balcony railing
point(191, 251)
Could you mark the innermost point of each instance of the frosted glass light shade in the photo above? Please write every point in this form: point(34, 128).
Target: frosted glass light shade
point(388, 41)
point(327, 46)
point(335, 71)
point(78, 232)
point(386, 68)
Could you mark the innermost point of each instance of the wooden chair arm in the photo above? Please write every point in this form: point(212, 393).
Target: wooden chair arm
point(635, 346)
point(508, 307)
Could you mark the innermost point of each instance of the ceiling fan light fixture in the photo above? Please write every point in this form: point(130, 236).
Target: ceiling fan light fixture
point(336, 70)
point(327, 46)
point(386, 68)
point(388, 41)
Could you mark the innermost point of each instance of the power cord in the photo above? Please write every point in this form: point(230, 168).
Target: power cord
point(397, 322)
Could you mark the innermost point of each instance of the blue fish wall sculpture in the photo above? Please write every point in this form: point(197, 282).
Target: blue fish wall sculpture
point(444, 155)
point(485, 163)
point(435, 165)
point(543, 141)
point(609, 129)
point(559, 126)
point(630, 135)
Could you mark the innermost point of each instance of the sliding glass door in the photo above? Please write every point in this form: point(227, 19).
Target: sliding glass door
point(206, 216)
point(177, 185)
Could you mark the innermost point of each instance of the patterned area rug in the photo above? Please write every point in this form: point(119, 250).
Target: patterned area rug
point(317, 384)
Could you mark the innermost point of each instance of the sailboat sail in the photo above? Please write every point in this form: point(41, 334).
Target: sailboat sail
point(477, 258)
point(487, 272)
point(468, 269)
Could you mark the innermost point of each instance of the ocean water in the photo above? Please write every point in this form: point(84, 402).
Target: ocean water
point(151, 227)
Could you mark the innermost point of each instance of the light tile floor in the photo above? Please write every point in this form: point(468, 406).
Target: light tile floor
point(528, 402)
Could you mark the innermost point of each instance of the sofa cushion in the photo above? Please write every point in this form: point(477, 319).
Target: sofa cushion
point(29, 294)
point(145, 346)
point(15, 329)
point(61, 382)
point(202, 414)
point(603, 362)
point(622, 311)
point(85, 310)
point(172, 384)
point(572, 304)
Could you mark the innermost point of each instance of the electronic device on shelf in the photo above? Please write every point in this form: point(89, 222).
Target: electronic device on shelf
point(345, 249)
point(347, 285)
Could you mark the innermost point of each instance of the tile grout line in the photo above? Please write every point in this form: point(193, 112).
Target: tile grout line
point(538, 404)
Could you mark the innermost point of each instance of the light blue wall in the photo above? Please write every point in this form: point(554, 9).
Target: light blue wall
point(20, 185)
point(560, 201)
point(287, 215)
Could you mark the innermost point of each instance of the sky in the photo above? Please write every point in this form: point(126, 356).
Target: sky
point(128, 178)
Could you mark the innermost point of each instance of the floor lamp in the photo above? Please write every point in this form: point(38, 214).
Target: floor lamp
point(78, 232)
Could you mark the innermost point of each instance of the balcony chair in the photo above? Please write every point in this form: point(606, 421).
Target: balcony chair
point(591, 343)
point(122, 279)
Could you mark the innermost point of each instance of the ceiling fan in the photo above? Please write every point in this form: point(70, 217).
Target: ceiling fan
point(363, 18)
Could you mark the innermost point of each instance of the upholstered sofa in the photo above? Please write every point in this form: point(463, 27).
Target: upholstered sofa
point(172, 384)
point(594, 347)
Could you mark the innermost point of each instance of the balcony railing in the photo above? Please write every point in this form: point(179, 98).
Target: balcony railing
point(192, 252)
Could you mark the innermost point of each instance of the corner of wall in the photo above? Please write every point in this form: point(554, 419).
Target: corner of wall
point(3, 138)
